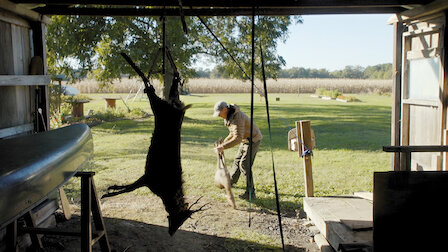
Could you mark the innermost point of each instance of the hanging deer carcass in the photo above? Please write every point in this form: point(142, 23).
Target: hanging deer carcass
point(163, 171)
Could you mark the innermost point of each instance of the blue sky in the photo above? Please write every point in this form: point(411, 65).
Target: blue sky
point(335, 41)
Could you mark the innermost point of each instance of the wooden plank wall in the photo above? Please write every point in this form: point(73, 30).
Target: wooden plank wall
point(16, 102)
point(423, 120)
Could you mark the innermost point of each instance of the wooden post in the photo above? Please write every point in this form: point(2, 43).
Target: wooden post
point(445, 154)
point(299, 139)
point(90, 209)
point(99, 221)
point(444, 59)
point(396, 92)
point(405, 157)
point(110, 102)
point(86, 219)
point(305, 137)
point(78, 108)
point(436, 162)
point(11, 237)
point(39, 43)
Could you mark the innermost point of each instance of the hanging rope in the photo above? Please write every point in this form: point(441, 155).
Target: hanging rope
point(227, 51)
point(277, 200)
point(249, 177)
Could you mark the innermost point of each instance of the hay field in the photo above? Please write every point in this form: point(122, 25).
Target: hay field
point(353, 86)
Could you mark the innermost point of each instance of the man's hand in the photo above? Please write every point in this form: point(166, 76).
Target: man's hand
point(219, 149)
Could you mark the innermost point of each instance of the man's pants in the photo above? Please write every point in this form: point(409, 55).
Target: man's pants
point(241, 164)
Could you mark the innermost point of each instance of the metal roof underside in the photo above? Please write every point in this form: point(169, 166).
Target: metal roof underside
point(216, 7)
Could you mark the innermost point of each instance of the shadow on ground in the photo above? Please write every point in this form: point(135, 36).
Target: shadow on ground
point(128, 235)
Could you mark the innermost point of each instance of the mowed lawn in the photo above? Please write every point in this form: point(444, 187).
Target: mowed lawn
point(349, 140)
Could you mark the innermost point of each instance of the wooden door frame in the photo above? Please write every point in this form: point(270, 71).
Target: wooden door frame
point(441, 103)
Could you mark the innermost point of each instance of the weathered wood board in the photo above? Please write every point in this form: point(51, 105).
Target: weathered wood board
point(17, 102)
point(341, 219)
point(24, 80)
point(364, 195)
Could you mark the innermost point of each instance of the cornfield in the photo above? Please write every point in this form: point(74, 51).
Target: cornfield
point(353, 86)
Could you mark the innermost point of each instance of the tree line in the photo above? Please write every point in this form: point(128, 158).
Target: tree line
point(380, 71)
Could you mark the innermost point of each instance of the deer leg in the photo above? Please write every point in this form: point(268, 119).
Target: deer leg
point(116, 187)
point(124, 189)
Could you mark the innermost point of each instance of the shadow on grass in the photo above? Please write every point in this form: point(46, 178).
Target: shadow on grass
point(351, 127)
point(127, 126)
point(128, 235)
point(287, 208)
point(268, 203)
point(354, 127)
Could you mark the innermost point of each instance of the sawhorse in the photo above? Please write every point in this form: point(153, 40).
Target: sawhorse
point(90, 208)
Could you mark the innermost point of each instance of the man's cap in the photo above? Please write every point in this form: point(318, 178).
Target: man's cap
point(218, 107)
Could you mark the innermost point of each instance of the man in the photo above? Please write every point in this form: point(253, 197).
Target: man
point(238, 124)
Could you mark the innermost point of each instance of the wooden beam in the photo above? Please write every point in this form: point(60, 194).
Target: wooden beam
point(429, 9)
point(305, 135)
point(445, 154)
point(396, 92)
point(285, 11)
point(24, 80)
point(438, 6)
point(23, 12)
point(237, 3)
point(16, 130)
point(444, 88)
point(416, 148)
point(10, 18)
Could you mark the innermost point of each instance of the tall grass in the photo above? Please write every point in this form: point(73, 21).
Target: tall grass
point(202, 86)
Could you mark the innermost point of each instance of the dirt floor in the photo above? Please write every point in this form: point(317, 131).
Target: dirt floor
point(139, 223)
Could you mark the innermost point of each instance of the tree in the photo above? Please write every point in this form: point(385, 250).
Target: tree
point(381, 71)
point(350, 72)
point(93, 44)
point(203, 73)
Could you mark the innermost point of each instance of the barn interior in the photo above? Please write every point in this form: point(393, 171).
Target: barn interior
point(416, 183)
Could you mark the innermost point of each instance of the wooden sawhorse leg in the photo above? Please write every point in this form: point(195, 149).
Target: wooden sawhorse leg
point(11, 237)
point(30, 222)
point(12, 231)
point(90, 207)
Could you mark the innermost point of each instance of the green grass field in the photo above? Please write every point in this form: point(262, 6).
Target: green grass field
point(349, 140)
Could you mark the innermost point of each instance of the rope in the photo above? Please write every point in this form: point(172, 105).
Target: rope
point(251, 112)
point(231, 56)
point(277, 201)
